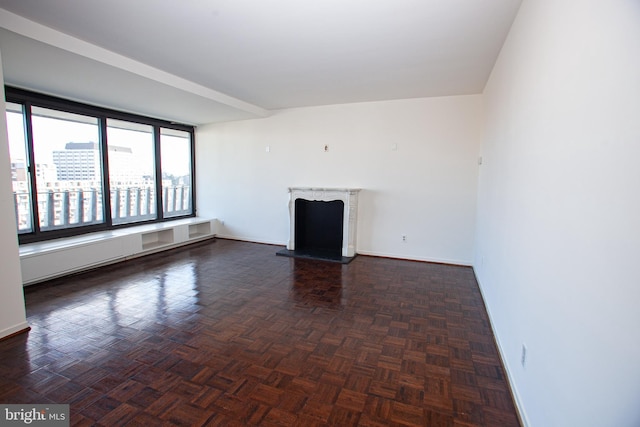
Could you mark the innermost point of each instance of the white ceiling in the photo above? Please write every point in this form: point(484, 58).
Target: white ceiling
point(201, 61)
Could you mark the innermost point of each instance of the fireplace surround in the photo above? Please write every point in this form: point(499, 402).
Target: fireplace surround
point(349, 199)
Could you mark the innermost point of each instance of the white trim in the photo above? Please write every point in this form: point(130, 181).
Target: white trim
point(414, 258)
point(522, 414)
point(22, 326)
point(250, 240)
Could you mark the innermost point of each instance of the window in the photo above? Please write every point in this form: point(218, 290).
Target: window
point(77, 168)
point(66, 155)
point(132, 172)
point(20, 169)
point(175, 151)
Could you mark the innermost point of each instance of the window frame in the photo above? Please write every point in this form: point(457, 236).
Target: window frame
point(28, 99)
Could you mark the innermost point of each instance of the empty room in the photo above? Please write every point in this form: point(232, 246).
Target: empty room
point(406, 213)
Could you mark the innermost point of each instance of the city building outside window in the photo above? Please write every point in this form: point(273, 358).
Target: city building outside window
point(68, 180)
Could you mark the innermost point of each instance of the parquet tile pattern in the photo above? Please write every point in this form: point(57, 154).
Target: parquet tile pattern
point(227, 333)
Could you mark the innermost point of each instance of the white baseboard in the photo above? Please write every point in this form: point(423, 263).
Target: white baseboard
point(369, 253)
point(14, 329)
point(250, 240)
point(522, 414)
point(415, 258)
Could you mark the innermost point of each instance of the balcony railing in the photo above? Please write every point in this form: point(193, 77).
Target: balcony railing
point(83, 206)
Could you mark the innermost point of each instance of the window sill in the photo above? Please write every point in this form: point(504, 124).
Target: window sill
point(47, 260)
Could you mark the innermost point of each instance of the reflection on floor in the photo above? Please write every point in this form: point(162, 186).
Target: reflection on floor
point(227, 333)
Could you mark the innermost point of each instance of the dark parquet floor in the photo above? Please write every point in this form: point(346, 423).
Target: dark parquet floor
point(228, 333)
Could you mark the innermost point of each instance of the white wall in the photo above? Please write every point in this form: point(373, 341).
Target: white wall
point(559, 210)
point(12, 312)
point(426, 189)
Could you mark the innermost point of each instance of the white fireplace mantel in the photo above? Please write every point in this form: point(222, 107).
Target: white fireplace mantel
point(350, 198)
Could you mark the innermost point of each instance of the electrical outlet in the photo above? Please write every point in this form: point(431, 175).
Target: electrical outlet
point(404, 238)
point(523, 356)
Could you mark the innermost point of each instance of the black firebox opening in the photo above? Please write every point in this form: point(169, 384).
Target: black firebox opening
point(318, 227)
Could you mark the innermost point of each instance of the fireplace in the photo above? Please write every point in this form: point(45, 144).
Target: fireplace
point(318, 226)
point(323, 223)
